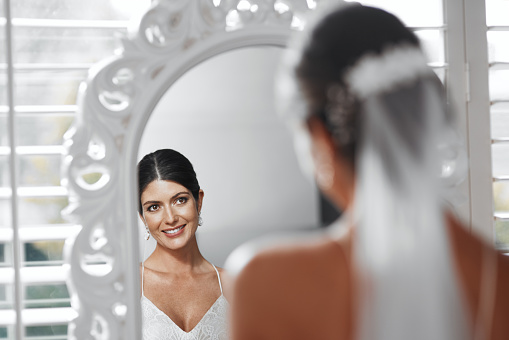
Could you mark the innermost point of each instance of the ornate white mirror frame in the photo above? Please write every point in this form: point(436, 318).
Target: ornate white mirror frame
point(114, 106)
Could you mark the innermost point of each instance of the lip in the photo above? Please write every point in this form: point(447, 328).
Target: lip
point(177, 233)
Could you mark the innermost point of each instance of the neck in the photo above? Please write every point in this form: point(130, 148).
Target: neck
point(183, 260)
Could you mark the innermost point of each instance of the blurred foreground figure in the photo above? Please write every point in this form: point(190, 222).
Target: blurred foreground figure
point(382, 145)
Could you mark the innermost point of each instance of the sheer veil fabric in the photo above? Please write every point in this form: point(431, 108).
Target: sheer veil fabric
point(408, 153)
point(401, 246)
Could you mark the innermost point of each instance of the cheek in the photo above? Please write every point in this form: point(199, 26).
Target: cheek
point(152, 220)
point(190, 213)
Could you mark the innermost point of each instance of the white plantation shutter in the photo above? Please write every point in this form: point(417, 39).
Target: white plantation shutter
point(46, 48)
point(496, 31)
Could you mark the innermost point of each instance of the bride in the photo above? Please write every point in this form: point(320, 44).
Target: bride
point(399, 264)
point(182, 293)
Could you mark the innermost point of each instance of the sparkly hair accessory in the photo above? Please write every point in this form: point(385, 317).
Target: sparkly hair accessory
point(396, 66)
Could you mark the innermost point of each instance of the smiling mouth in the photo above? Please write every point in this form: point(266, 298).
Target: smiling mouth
point(174, 231)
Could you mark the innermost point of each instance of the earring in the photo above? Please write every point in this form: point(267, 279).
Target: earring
point(200, 220)
point(147, 233)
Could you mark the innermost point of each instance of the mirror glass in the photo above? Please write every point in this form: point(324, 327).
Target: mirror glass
point(221, 116)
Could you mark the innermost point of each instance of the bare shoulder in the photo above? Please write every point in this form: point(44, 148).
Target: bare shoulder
point(292, 260)
point(280, 245)
point(285, 271)
point(288, 286)
point(484, 272)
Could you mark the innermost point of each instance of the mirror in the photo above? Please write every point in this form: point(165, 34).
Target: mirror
point(170, 43)
point(221, 115)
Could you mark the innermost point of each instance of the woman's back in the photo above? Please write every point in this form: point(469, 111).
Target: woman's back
point(297, 292)
point(308, 291)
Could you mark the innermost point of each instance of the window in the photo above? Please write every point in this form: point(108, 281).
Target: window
point(48, 45)
point(498, 54)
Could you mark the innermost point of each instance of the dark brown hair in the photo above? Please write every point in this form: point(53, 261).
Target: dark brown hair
point(166, 165)
point(336, 43)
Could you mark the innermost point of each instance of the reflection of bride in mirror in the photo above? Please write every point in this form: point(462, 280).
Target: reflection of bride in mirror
point(398, 265)
point(182, 295)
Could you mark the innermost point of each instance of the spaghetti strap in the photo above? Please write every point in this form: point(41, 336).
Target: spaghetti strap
point(157, 325)
point(218, 278)
point(142, 274)
point(143, 267)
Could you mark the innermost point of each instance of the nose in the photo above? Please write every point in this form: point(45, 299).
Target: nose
point(170, 217)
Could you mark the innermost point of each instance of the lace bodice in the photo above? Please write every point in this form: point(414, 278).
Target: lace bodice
point(158, 326)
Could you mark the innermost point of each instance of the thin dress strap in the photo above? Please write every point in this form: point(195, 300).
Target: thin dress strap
point(142, 274)
point(218, 278)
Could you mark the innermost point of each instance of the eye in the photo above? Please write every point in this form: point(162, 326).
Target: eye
point(180, 200)
point(153, 207)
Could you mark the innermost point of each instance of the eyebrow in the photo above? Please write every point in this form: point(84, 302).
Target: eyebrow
point(173, 197)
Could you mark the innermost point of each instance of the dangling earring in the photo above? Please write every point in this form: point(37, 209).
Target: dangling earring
point(200, 220)
point(147, 233)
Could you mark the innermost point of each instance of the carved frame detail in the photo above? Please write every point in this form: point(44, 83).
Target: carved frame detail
point(114, 105)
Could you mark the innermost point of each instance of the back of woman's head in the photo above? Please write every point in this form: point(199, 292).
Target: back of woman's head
point(345, 35)
point(336, 44)
point(166, 165)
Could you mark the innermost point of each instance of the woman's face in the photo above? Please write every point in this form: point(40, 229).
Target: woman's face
point(171, 213)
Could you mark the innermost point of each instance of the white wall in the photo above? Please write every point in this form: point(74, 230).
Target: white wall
point(221, 116)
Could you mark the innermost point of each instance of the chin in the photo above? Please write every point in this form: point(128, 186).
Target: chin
point(178, 243)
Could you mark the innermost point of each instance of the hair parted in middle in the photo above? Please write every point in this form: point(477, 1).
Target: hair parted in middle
point(166, 165)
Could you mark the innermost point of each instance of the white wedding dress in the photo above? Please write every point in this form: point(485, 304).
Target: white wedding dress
point(158, 326)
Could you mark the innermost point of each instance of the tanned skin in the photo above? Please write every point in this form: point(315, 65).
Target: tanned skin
point(308, 290)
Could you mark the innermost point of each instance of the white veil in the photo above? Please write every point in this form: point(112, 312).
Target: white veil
point(408, 153)
point(410, 289)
